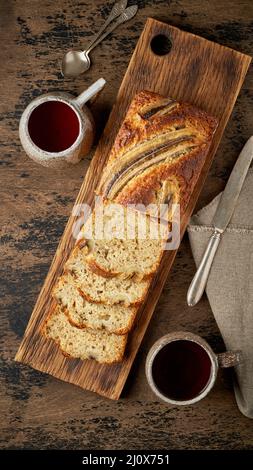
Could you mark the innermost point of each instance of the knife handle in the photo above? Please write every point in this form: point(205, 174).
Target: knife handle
point(199, 281)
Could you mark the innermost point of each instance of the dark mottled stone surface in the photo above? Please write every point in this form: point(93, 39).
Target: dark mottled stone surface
point(38, 411)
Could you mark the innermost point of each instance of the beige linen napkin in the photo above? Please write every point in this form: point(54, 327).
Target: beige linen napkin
point(230, 283)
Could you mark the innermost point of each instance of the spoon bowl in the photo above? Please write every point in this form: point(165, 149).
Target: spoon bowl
point(74, 63)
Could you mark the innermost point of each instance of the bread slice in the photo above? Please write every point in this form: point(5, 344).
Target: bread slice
point(81, 313)
point(106, 290)
point(125, 258)
point(83, 344)
point(128, 242)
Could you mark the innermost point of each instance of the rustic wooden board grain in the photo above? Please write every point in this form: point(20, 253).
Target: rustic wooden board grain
point(195, 70)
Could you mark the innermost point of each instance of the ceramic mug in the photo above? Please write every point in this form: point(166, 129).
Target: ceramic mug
point(57, 129)
point(181, 367)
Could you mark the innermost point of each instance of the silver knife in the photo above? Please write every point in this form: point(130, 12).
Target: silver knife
point(221, 219)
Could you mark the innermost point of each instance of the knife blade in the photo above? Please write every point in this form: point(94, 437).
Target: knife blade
point(233, 187)
point(221, 219)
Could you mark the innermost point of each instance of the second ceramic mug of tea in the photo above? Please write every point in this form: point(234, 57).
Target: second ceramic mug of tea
point(58, 129)
point(181, 367)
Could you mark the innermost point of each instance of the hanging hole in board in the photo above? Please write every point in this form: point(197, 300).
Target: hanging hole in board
point(160, 44)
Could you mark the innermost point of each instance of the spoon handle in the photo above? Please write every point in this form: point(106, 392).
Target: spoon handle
point(116, 10)
point(127, 15)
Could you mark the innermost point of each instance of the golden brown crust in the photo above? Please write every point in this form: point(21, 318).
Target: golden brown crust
point(117, 359)
point(43, 331)
point(104, 302)
point(49, 315)
point(185, 172)
point(85, 295)
point(135, 128)
point(120, 331)
point(159, 141)
point(133, 309)
point(82, 243)
point(95, 268)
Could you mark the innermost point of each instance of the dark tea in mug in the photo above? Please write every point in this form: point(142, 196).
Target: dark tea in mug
point(181, 370)
point(53, 126)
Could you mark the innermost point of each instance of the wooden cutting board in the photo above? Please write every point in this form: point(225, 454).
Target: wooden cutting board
point(196, 71)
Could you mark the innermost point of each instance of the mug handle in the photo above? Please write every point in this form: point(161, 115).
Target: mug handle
point(86, 95)
point(229, 358)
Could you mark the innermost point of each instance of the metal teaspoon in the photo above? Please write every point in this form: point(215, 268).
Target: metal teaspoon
point(76, 62)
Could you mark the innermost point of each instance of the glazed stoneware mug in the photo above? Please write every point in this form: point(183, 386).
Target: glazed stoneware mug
point(57, 129)
point(181, 367)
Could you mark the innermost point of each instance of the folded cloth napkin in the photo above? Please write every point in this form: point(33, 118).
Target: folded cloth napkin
point(230, 283)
